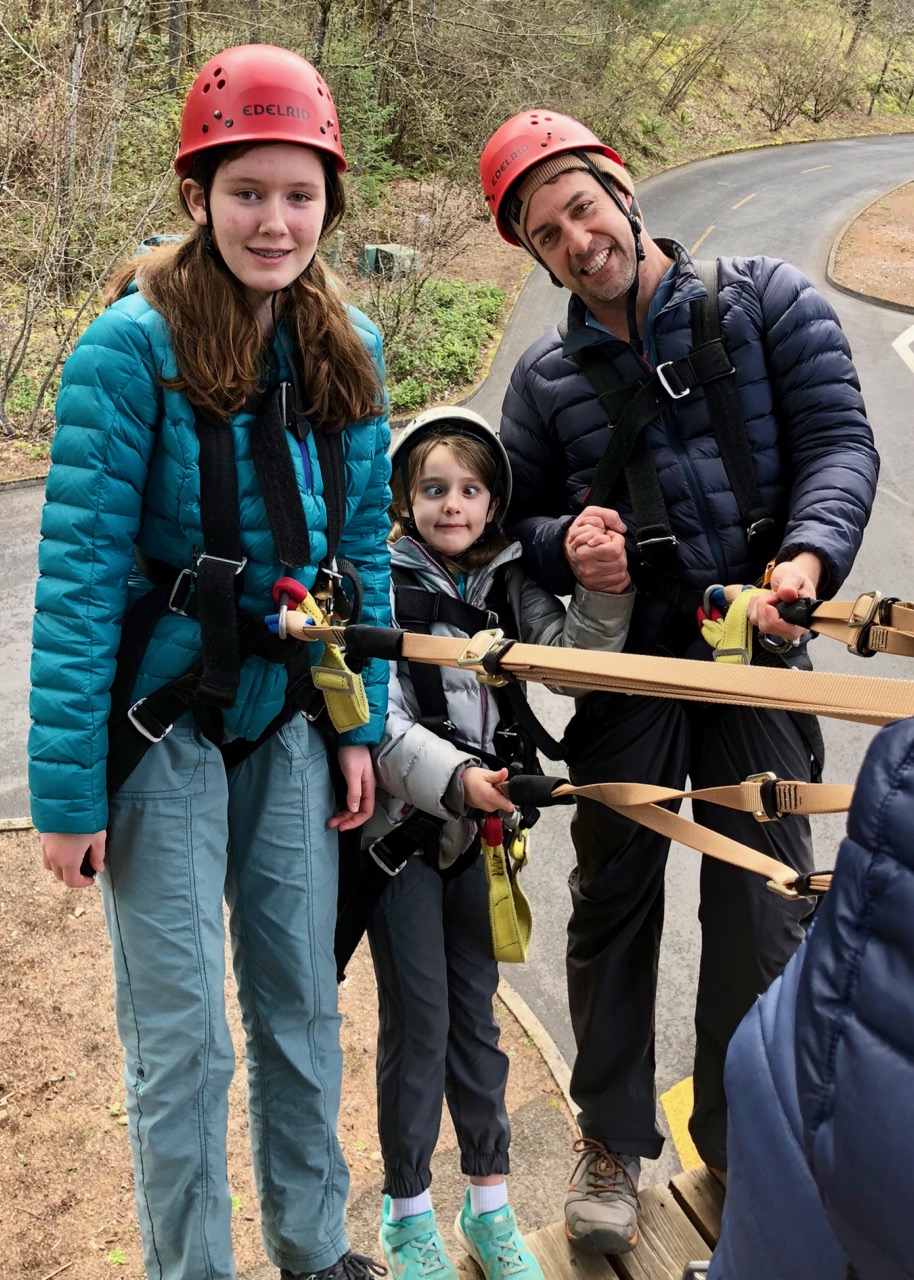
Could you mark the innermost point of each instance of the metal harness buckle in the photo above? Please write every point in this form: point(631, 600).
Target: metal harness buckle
point(769, 811)
point(378, 859)
point(239, 564)
point(183, 584)
point(148, 734)
point(665, 382)
point(862, 617)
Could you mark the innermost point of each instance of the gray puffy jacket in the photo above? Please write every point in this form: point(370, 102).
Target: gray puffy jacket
point(415, 767)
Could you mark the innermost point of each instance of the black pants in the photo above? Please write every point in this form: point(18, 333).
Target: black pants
point(432, 951)
point(747, 932)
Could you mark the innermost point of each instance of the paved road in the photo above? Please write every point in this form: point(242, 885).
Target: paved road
point(792, 202)
point(789, 202)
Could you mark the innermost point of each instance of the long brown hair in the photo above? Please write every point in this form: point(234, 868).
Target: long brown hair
point(472, 454)
point(217, 342)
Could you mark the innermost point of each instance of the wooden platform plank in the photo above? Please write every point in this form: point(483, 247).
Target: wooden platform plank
point(561, 1262)
point(667, 1240)
point(701, 1197)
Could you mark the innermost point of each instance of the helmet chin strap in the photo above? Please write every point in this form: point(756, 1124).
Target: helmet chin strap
point(634, 222)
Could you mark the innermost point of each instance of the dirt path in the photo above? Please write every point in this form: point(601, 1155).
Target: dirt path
point(66, 1185)
point(876, 253)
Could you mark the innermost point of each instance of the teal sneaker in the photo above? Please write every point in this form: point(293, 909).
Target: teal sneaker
point(413, 1247)
point(494, 1243)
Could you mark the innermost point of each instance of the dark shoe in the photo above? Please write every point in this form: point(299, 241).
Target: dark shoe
point(601, 1205)
point(352, 1266)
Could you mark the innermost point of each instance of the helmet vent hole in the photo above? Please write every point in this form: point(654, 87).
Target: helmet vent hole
point(206, 88)
point(220, 84)
point(205, 129)
point(323, 130)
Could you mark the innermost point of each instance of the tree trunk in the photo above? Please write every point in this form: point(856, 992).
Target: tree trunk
point(879, 86)
point(177, 26)
point(320, 30)
point(254, 17)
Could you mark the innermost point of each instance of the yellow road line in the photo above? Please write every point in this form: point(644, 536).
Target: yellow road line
point(702, 238)
point(739, 204)
point(677, 1106)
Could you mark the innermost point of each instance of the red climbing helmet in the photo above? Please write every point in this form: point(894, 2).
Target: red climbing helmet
point(523, 142)
point(258, 93)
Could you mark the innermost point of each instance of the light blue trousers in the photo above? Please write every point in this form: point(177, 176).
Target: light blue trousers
point(181, 837)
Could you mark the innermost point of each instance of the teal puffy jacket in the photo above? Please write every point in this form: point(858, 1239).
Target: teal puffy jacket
point(124, 473)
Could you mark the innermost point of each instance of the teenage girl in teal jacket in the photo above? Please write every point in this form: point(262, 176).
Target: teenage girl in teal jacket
point(197, 329)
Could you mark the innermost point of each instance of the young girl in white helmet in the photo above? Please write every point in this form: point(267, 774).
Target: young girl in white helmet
point(442, 754)
point(187, 476)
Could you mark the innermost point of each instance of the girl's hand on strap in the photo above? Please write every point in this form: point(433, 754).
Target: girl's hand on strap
point(480, 789)
point(358, 772)
point(63, 854)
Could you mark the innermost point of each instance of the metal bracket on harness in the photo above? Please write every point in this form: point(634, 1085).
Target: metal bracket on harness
point(476, 650)
point(861, 618)
point(696, 1271)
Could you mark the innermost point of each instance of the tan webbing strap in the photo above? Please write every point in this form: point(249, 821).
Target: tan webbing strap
point(641, 803)
point(871, 700)
point(868, 624)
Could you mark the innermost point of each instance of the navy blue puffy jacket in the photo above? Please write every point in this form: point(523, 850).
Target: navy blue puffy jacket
point(812, 447)
point(820, 1074)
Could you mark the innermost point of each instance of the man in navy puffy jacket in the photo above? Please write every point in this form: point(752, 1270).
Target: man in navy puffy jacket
point(688, 516)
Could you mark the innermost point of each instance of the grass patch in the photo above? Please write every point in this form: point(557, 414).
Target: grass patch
point(441, 346)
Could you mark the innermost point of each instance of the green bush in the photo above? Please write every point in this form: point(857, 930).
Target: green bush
point(440, 348)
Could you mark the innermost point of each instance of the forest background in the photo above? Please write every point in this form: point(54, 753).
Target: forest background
point(91, 94)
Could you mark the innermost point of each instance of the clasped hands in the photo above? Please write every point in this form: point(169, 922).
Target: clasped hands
point(595, 550)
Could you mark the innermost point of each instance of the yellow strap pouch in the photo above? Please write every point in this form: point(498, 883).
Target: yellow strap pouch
point(343, 690)
point(510, 916)
point(731, 636)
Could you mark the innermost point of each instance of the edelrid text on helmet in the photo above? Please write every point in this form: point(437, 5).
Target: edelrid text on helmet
point(522, 143)
point(258, 93)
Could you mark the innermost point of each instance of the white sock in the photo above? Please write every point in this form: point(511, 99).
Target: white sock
point(488, 1199)
point(409, 1206)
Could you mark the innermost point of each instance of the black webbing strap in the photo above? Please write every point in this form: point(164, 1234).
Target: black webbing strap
point(333, 470)
point(416, 605)
point(136, 629)
point(416, 609)
point(273, 419)
point(218, 570)
point(729, 426)
point(631, 408)
point(376, 867)
point(514, 708)
point(628, 452)
point(147, 722)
